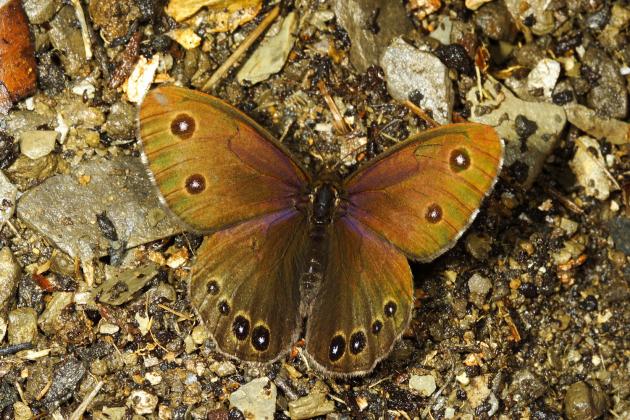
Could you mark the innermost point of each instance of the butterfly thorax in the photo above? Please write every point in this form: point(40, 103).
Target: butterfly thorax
point(324, 201)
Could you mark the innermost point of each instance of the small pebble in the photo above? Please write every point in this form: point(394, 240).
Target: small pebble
point(479, 284)
point(35, 144)
point(142, 402)
point(423, 384)
point(583, 402)
point(223, 369)
point(256, 399)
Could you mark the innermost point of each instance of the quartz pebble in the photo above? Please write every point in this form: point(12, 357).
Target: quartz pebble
point(423, 384)
point(256, 399)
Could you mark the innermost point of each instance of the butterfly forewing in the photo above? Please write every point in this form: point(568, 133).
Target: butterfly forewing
point(422, 195)
point(213, 165)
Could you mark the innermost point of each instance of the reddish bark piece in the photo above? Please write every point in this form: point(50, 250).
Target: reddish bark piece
point(17, 55)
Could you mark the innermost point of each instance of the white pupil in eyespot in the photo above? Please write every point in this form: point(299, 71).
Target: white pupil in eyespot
point(460, 159)
point(183, 125)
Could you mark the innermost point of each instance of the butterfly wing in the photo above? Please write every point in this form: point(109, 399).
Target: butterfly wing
point(423, 194)
point(244, 285)
point(221, 172)
point(363, 304)
point(414, 201)
point(213, 165)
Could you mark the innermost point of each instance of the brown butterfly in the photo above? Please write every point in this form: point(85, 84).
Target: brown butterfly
point(284, 246)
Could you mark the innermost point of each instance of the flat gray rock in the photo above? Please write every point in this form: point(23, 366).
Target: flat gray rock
point(530, 129)
point(370, 32)
point(409, 70)
point(64, 208)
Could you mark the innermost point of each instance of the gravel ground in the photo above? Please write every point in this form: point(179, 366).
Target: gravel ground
point(526, 317)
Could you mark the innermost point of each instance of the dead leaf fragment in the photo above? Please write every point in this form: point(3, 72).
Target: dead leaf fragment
point(223, 16)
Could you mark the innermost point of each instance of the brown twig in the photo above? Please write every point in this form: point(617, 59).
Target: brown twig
point(564, 201)
point(338, 121)
point(421, 113)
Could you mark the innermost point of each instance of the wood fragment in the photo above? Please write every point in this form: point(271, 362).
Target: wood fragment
point(421, 113)
point(76, 415)
point(14, 348)
point(242, 48)
point(128, 59)
point(85, 33)
point(341, 126)
point(570, 205)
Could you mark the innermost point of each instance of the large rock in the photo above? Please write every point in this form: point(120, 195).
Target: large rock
point(64, 208)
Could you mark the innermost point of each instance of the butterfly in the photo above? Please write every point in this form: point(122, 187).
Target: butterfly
point(287, 251)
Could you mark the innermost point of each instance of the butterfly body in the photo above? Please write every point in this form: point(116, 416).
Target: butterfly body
point(284, 247)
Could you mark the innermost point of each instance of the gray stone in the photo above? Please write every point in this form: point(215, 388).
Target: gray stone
point(40, 11)
point(609, 95)
point(8, 196)
point(619, 228)
point(22, 325)
point(64, 207)
point(65, 35)
point(356, 16)
point(65, 379)
point(9, 276)
point(256, 399)
point(36, 144)
point(423, 384)
point(587, 120)
point(582, 402)
point(502, 110)
point(494, 20)
point(409, 70)
point(121, 121)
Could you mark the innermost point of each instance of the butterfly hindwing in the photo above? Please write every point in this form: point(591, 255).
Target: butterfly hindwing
point(363, 304)
point(244, 285)
point(423, 194)
point(213, 165)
